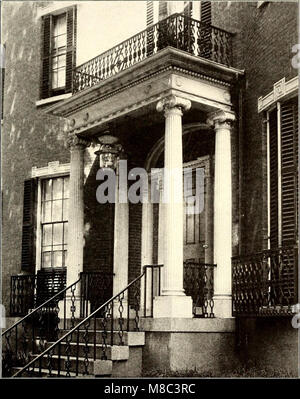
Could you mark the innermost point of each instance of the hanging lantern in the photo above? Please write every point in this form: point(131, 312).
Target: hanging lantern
point(109, 151)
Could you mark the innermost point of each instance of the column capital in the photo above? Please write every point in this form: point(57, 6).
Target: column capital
point(220, 119)
point(73, 141)
point(171, 102)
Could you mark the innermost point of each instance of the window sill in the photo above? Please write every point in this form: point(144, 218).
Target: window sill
point(53, 99)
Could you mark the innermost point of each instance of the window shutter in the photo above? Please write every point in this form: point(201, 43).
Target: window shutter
point(71, 47)
point(273, 180)
point(205, 15)
point(150, 13)
point(188, 9)
point(28, 242)
point(289, 172)
point(46, 60)
point(162, 10)
point(150, 32)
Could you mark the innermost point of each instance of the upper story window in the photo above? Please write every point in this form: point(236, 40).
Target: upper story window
point(58, 52)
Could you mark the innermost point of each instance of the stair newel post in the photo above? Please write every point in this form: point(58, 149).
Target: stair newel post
point(128, 309)
point(33, 337)
point(145, 291)
point(95, 337)
point(59, 357)
point(112, 325)
point(77, 351)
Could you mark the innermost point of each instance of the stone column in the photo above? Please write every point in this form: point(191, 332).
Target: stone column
point(222, 122)
point(173, 302)
point(147, 249)
point(121, 239)
point(75, 221)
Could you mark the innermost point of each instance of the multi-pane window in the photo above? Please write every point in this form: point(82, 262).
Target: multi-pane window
point(58, 51)
point(55, 194)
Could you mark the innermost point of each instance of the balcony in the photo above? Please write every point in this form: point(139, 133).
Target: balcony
point(265, 283)
point(177, 31)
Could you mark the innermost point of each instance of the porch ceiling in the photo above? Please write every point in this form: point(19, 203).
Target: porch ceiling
point(136, 91)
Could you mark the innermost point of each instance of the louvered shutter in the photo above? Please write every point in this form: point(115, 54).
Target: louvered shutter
point(28, 241)
point(150, 31)
point(289, 199)
point(162, 10)
point(71, 47)
point(273, 180)
point(46, 58)
point(205, 15)
point(205, 45)
point(289, 172)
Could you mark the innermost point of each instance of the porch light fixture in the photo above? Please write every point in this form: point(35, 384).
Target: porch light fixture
point(109, 151)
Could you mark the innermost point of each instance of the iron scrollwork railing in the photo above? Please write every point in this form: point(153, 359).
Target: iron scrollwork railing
point(29, 336)
point(74, 353)
point(198, 282)
point(265, 283)
point(177, 31)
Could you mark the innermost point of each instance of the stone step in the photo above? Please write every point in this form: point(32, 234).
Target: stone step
point(45, 373)
point(96, 352)
point(130, 338)
point(77, 365)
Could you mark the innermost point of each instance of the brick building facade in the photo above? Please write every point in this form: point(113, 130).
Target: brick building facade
point(233, 70)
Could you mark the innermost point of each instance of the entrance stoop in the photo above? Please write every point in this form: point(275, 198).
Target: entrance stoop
point(189, 345)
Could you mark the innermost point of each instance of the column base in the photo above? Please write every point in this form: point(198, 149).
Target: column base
point(173, 306)
point(223, 306)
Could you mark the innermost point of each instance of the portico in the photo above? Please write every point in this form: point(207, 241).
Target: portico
point(160, 96)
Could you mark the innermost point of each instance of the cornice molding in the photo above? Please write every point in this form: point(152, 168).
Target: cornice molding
point(281, 90)
point(52, 169)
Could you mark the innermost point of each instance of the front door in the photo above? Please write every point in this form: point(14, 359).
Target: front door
point(198, 234)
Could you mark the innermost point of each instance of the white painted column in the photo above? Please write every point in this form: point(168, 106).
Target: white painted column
point(75, 223)
point(147, 249)
point(121, 240)
point(173, 302)
point(222, 122)
point(76, 210)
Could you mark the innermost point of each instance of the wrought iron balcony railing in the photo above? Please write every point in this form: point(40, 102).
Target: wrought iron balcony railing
point(177, 31)
point(265, 283)
point(29, 291)
point(198, 282)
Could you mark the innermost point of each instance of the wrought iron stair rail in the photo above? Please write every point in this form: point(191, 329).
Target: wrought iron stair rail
point(265, 283)
point(104, 327)
point(177, 30)
point(30, 334)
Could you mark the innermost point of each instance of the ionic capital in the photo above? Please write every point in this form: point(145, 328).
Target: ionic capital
point(221, 119)
point(173, 102)
point(75, 142)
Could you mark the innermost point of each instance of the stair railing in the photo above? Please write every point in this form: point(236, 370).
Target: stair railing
point(30, 334)
point(106, 326)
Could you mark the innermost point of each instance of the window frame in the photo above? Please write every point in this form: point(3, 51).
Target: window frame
point(38, 236)
point(47, 91)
